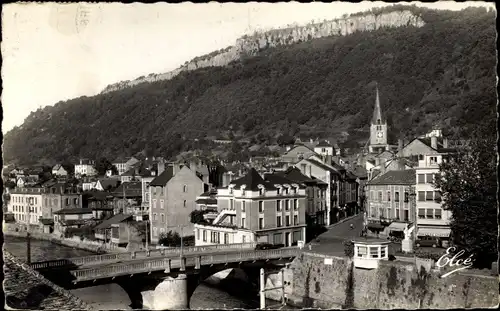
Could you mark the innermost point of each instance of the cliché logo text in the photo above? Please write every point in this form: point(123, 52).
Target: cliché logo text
point(456, 261)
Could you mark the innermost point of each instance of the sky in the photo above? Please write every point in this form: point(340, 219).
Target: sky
point(53, 52)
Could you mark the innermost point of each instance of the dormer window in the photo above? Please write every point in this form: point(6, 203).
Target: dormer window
point(378, 121)
point(278, 191)
point(242, 188)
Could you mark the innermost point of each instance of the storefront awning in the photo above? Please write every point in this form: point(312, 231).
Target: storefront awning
point(437, 232)
point(397, 226)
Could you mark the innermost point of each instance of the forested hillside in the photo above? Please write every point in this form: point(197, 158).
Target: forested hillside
point(442, 73)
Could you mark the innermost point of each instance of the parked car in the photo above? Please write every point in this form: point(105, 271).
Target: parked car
point(264, 246)
point(427, 241)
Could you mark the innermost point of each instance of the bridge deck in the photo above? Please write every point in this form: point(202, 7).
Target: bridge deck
point(89, 261)
point(188, 261)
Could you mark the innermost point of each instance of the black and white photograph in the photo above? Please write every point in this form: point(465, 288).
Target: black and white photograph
point(249, 155)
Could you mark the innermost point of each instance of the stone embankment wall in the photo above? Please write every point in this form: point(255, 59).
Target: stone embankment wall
point(26, 288)
point(312, 283)
point(75, 242)
point(251, 45)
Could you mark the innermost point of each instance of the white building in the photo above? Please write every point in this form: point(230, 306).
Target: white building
point(26, 205)
point(59, 170)
point(124, 164)
point(85, 167)
point(432, 220)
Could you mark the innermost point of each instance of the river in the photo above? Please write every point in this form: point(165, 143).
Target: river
point(205, 296)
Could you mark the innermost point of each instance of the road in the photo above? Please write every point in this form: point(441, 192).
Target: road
point(332, 241)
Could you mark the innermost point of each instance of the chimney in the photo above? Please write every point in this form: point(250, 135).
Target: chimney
point(382, 166)
point(400, 145)
point(161, 167)
point(434, 142)
point(445, 142)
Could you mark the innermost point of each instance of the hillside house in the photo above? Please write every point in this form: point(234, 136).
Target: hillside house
point(71, 218)
point(127, 198)
point(124, 164)
point(60, 170)
point(85, 168)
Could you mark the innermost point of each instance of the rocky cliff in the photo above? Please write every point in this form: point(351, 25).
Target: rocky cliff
point(251, 45)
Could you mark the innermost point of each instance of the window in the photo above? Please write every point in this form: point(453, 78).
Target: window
point(243, 192)
point(162, 217)
point(380, 196)
point(261, 223)
point(162, 206)
point(261, 206)
point(407, 215)
point(372, 196)
point(231, 204)
point(204, 235)
point(433, 160)
point(382, 252)
point(420, 157)
point(295, 220)
point(421, 178)
point(261, 191)
point(278, 221)
point(243, 222)
point(197, 234)
point(230, 190)
point(278, 191)
point(285, 191)
point(155, 231)
point(278, 238)
point(278, 206)
point(243, 239)
point(295, 204)
point(430, 213)
point(389, 214)
point(287, 220)
point(154, 216)
point(430, 178)
point(397, 213)
point(396, 196)
point(429, 195)
point(185, 188)
point(67, 201)
point(388, 196)
point(184, 203)
point(421, 213)
point(287, 205)
point(406, 196)
point(243, 207)
point(437, 213)
point(226, 238)
point(154, 203)
point(161, 190)
point(374, 252)
point(421, 196)
point(362, 251)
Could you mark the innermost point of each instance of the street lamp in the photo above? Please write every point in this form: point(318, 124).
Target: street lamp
point(28, 240)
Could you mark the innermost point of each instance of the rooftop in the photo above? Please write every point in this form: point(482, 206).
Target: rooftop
point(163, 178)
point(116, 219)
point(401, 177)
point(76, 210)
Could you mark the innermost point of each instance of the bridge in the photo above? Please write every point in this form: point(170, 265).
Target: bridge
point(176, 274)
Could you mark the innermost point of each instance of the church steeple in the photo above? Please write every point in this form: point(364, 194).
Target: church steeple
point(377, 112)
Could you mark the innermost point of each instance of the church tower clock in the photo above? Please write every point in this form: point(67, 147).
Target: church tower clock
point(378, 129)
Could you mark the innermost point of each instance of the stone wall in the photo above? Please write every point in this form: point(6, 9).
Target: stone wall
point(393, 285)
point(251, 45)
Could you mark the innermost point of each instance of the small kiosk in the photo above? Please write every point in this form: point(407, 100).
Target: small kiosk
point(368, 252)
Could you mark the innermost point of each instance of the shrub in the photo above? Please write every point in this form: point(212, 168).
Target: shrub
point(349, 248)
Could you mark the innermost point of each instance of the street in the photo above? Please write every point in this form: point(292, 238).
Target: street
point(332, 241)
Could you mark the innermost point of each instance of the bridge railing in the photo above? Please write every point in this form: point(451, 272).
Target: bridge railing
point(98, 259)
point(190, 260)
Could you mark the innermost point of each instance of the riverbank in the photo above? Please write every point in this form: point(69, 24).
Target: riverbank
point(73, 242)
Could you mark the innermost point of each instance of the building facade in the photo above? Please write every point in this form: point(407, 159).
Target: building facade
point(85, 167)
point(26, 205)
point(391, 201)
point(256, 209)
point(433, 220)
point(173, 197)
point(124, 164)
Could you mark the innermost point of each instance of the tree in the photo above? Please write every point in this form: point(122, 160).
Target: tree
point(169, 239)
point(103, 164)
point(468, 183)
point(197, 216)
